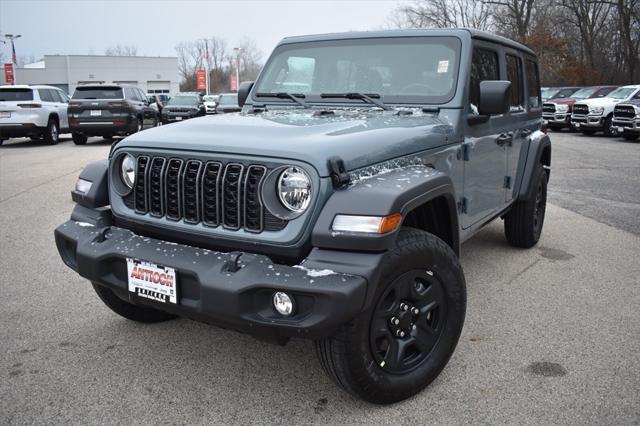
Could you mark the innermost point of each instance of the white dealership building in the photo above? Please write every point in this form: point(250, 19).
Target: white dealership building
point(150, 73)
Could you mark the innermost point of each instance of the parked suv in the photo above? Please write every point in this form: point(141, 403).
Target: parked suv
point(626, 118)
point(210, 103)
point(335, 214)
point(228, 102)
point(593, 115)
point(557, 111)
point(38, 112)
point(108, 111)
point(183, 106)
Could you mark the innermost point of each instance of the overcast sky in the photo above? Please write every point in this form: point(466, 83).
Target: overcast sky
point(156, 26)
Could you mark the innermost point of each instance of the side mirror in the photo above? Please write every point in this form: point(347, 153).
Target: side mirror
point(243, 92)
point(494, 97)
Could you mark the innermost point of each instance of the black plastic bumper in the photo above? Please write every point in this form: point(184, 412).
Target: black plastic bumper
point(102, 128)
point(208, 291)
point(20, 130)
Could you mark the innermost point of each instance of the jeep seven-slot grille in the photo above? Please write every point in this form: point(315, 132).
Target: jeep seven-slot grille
point(624, 111)
point(211, 193)
point(549, 107)
point(580, 109)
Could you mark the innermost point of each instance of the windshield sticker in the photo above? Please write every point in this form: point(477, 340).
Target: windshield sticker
point(443, 67)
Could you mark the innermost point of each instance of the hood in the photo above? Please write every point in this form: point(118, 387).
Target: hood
point(564, 101)
point(360, 138)
point(603, 102)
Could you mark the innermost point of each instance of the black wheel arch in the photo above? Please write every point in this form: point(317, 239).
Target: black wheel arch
point(539, 152)
point(421, 199)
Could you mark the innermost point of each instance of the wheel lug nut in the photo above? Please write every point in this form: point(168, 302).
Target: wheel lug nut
point(398, 333)
point(402, 334)
point(413, 326)
point(395, 321)
point(403, 306)
point(416, 311)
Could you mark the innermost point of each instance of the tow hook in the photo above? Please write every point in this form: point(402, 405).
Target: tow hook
point(233, 263)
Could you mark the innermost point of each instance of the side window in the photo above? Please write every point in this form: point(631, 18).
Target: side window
point(128, 93)
point(57, 97)
point(637, 96)
point(45, 95)
point(484, 66)
point(533, 84)
point(514, 75)
point(141, 95)
point(604, 92)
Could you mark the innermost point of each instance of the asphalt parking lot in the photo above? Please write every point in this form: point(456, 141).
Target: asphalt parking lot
point(551, 336)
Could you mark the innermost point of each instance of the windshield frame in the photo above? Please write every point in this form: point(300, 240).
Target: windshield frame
point(449, 40)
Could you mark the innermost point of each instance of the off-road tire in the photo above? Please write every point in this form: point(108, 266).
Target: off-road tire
point(629, 137)
point(79, 139)
point(607, 126)
point(348, 357)
point(52, 132)
point(523, 223)
point(128, 310)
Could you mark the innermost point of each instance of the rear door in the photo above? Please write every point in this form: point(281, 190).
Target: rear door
point(518, 116)
point(484, 147)
point(49, 102)
point(61, 101)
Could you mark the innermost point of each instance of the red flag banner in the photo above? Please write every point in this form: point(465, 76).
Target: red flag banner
point(233, 83)
point(8, 74)
point(201, 79)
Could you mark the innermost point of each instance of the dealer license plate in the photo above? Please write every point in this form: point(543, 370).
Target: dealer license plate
point(96, 113)
point(5, 114)
point(620, 129)
point(577, 125)
point(151, 281)
point(178, 118)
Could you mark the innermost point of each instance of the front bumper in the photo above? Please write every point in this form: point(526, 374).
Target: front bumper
point(631, 126)
point(20, 130)
point(209, 291)
point(557, 118)
point(590, 121)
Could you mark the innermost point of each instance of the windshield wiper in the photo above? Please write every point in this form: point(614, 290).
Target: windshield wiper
point(372, 98)
point(296, 97)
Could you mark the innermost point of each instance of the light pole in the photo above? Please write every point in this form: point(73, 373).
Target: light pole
point(205, 60)
point(237, 50)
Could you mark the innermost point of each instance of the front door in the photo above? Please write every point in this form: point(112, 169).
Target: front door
point(485, 146)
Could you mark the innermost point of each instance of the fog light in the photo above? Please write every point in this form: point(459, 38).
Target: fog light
point(83, 186)
point(283, 303)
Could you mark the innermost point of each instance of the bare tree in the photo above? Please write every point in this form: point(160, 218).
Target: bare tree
point(444, 14)
point(250, 59)
point(513, 17)
point(121, 50)
point(190, 58)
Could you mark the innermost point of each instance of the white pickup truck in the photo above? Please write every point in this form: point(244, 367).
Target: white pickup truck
point(593, 115)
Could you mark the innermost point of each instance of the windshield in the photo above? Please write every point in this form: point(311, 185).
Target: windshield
point(12, 95)
point(183, 100)
point(400, 70)
point(565, 93)
point(228, 100)
point(97, 93)
point(585, 93)
point(622, 93)
point(548, 93)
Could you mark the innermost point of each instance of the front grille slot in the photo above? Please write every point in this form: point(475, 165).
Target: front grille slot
point(253, 215)
point(172, 185)
point(549, 107)
point(210, 185)
point(231, 200)
point(190, 191)
point(156, 197)
point(196, 192)
point(140, 188)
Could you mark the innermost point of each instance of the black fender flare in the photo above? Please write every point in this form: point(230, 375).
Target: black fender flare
point(98, 194)
point(539, 142)
point(398, 191)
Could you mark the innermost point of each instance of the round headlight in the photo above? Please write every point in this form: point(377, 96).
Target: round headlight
point(128, 170)
point(294, 189)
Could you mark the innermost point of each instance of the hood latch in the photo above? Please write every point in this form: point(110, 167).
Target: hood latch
point(338, 172)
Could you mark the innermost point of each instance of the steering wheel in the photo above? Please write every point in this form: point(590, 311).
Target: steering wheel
point(411, 88)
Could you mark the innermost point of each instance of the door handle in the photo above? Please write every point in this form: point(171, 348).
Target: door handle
point(504, 138)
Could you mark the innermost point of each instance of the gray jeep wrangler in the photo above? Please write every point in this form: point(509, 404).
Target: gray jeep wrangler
point(332, 207)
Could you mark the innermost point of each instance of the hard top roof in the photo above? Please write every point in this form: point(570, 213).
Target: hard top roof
point(418, 32)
